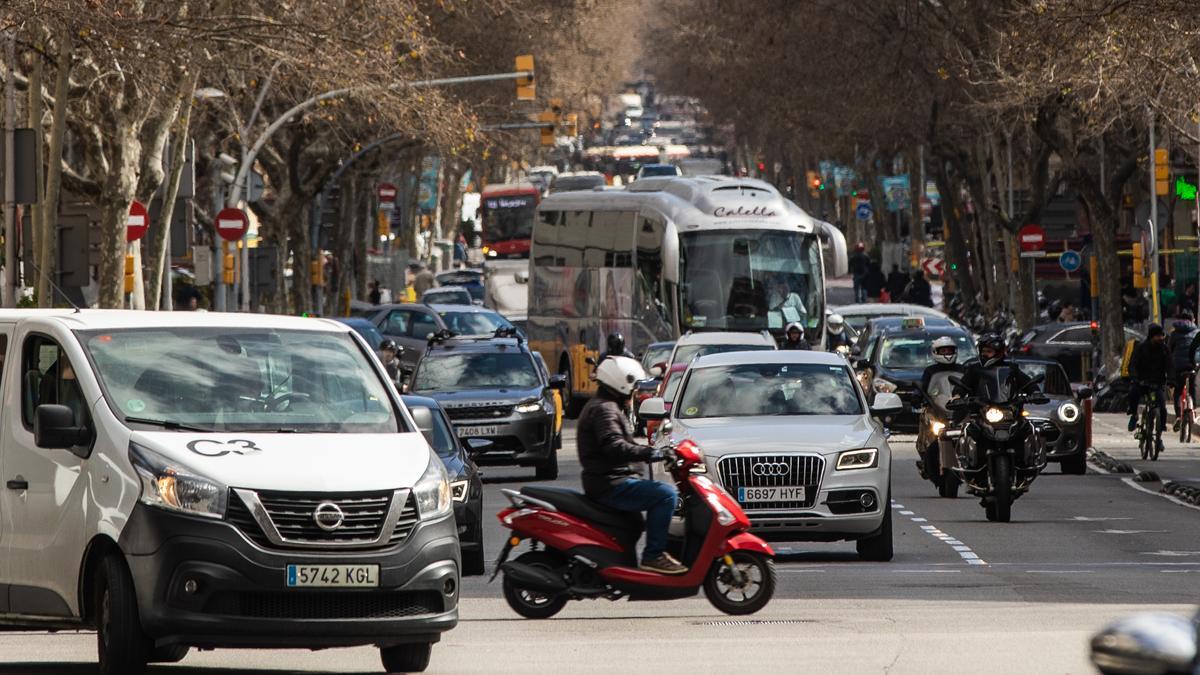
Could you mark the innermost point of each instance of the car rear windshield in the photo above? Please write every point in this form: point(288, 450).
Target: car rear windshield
point(474, 323)
point(688, 352)
point(768, 389)
point(461, 372)
point(230, 379)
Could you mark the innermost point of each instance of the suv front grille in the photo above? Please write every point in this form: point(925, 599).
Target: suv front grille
point(738, 471)
point(479, 412)
point(289, 520)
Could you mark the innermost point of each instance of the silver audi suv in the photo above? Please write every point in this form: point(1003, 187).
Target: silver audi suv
point(790, 435)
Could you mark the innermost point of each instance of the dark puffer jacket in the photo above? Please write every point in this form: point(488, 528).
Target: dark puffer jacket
point(606, 445)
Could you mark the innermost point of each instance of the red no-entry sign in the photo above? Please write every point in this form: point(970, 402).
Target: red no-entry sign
point(387, 192)
point(1031, 238)
point(232, 224)
point(135, 224)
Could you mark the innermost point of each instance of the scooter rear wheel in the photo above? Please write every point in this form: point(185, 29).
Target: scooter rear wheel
point(534, 604)
point(748, 597)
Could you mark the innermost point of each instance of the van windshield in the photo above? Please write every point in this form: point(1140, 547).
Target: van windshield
point(228, 379)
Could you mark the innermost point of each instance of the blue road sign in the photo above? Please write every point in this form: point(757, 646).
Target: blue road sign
point(863, 212)
point(1070, 261)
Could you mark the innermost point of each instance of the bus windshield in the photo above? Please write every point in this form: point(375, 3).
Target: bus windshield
point(508, 218)
point(750, 280)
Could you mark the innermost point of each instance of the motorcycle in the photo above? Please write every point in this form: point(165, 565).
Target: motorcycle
point(580, 549)
point(999, 451)
point(936, 450)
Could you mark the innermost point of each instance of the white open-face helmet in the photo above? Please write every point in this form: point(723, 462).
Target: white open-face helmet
point(835, 323)
point(620, 373)
point(944, 349)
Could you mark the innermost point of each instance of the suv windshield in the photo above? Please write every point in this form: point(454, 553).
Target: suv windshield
point(230, 379)
point(474, 323)
point(913, 352)
point(768, 389)
point(459, 372)
point(685, 353)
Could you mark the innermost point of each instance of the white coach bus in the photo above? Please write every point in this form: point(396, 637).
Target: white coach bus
point(670, 255)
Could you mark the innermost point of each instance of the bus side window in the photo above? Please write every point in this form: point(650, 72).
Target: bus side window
point(545, 238)
point(651, 286)
point(572, 239)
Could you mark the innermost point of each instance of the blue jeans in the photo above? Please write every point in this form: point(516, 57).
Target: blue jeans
point(860, 293)
point(656, 499)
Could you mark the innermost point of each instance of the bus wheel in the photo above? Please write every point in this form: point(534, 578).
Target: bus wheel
point(571, 405)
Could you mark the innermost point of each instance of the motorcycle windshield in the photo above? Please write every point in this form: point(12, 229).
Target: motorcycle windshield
point(996, 385)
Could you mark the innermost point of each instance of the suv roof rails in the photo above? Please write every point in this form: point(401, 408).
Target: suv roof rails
point(439, 337)
point(445, 335)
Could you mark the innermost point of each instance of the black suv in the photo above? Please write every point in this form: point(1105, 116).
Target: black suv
point(492, 388)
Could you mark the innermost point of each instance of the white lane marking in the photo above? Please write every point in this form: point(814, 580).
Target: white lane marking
point(1059, 571)
point(1086, 519)
point(1129, 531)
point(906, 513)
point(1178, 571)
point(1171, 554)
point(897, 506)
point(926, 571)
point(960, 548)
point(1170, 498)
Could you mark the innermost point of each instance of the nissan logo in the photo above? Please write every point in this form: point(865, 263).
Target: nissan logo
point(770, 469)
point(328, 516)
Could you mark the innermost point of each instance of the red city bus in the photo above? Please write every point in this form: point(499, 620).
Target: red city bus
point(507, 211)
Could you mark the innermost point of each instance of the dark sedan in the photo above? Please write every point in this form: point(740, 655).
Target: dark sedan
point(410, 325)
point(1068, 343)
point(466, 486)
point(894, 361)
point(1063, 422)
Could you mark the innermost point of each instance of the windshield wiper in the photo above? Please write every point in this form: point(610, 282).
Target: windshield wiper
point(168, 424)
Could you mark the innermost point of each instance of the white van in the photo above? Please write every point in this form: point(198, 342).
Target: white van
point(184, 479)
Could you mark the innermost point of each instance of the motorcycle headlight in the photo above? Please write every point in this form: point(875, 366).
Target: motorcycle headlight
point(529, 407)
point(936, 427)
point(883, 386)
point(865, 458)
point(993, 415)
point(459, 490)
point(433, 490)
point(169, 485)
point(1068, 412)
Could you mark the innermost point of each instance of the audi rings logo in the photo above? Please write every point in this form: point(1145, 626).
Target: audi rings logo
point(770, 469)
point(328, 516)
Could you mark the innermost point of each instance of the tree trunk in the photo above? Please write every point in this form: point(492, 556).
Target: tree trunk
point(37, 219)
point(160, 234)
point(119, 193)
point(47, 251)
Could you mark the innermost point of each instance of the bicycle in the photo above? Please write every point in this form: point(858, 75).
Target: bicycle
point(1187, 408)
point(1150, 427)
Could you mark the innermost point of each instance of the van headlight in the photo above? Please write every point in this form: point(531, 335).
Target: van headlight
point(865, 458)
point(529, 407)
point(1068, 412)
point(433, 490)
point(169, 485)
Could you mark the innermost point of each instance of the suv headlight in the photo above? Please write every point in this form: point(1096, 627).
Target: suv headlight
point(1068, 412)
point(529, 407)
point(884, 387)
point(866, 458)
point(459, 490)
point(433, 490)
point(169, 485)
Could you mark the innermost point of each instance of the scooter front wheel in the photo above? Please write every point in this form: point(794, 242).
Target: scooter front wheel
point(529, 603)
point(744, 588)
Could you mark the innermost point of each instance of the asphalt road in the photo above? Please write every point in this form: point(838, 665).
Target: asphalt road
point(962, 595)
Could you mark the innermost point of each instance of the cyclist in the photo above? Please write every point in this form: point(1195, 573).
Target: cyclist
point(1183, 334)
point(1150, 368)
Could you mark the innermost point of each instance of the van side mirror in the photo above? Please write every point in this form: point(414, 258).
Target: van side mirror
point(54, 428)
point(1146, 643)
point(653, 409)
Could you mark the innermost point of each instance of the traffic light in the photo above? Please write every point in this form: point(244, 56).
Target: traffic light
point(526, 88)
point(1162, 170)
point(571, 126)
point(1139, 266)
point(551, 118)
point(227, 266)
point(317, 269)
point(128, 273)
point(814, 183)
point(556, 107)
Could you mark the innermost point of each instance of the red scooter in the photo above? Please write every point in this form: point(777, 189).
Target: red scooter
point(580, 549)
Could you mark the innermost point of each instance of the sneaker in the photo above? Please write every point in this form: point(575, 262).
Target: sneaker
point(1175, 427)
point(1132, 422)
point(663, 564)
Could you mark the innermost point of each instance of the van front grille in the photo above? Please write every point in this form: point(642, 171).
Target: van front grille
point(290, 518)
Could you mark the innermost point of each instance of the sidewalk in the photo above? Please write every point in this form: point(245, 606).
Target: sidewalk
point(1178, 463)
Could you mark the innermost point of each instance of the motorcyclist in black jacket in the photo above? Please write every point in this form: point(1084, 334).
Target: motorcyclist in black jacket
point(606, 449)
point(615, 346)
point(793, 337)
point(1151, 369)
point(993, 354)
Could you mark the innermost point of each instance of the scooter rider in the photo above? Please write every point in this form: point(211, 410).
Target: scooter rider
point(945, 358)
point(606, 448)
point(835, 325)
point(794, 337)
